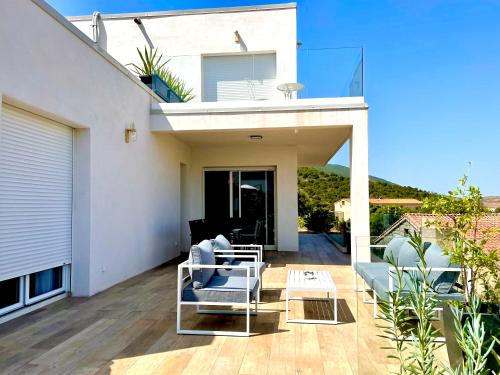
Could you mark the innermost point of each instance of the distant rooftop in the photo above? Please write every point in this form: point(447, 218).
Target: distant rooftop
point(418, 220)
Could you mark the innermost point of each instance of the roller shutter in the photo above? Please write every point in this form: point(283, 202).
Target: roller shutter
point(36, 184)
point(239, 77)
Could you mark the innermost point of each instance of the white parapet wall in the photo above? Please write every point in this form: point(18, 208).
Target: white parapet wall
point(185, 37)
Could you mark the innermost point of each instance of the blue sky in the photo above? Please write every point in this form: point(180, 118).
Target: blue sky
point(432, 79)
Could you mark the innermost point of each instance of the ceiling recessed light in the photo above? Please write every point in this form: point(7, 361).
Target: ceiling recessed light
point(256, 137)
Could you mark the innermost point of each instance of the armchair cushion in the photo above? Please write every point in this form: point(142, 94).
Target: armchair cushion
point(440, 281)
point(221, 243)
point(230, 289)
point(202, 253)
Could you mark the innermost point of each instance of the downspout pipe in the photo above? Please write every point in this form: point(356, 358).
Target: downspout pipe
point(95, 26)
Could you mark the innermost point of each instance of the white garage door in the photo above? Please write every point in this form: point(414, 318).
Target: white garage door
point(239, 77)
point(36, 178)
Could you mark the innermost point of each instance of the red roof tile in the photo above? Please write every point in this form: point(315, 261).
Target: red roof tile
point(417, 220)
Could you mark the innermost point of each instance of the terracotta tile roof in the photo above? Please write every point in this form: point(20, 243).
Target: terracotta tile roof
point(417, 220)
point(389, 201)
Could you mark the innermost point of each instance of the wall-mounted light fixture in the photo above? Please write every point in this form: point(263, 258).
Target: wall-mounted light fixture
point(237, 37)
point(256, 137)
point(130, 134)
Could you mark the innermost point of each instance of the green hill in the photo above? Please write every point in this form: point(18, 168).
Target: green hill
point(322, 187)
point(345, 172)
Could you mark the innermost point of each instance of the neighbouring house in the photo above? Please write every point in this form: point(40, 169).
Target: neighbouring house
point(342, 207)
point(81, 209)
point(423, 223)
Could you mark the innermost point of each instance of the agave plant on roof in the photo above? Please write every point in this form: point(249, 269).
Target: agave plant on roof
point(154, 63)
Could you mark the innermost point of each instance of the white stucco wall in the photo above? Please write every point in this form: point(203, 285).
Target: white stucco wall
point(283, 158)
point(126, 198)
point(186, 37)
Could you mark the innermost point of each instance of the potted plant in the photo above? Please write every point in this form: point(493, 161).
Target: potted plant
point(414, 338)
point(153, 72)
point(472, 329)
point(458, 217)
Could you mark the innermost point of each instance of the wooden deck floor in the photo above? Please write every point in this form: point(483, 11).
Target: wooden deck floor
point(130, 329)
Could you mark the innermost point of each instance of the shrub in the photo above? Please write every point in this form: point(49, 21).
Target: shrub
point(320, 220)
point(301, 222)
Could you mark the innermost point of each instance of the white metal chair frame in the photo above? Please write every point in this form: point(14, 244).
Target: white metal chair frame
point(182, 281)
point(251, 250)
point(247, 249)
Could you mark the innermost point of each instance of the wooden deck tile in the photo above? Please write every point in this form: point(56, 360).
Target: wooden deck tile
point(130, 329)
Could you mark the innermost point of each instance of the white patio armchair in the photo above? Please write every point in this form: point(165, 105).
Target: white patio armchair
point(234, 291)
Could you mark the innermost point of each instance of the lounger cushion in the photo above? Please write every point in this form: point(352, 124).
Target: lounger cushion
point(381, 284)
point(381, 288)
point(242, 272)
point(230, 289)
point(440, 281)
point(408, 256)
point(202, 253)
point(221, 243)
point(393, 248)
point(371, 271)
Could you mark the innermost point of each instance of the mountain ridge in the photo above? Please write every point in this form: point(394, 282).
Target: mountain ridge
point(344, 171)
point(321, 187)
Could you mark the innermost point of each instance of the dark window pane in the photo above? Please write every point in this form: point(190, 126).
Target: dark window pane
point(217, 195)
point(9, 292)
point(45, 281)
point(253, 197)
point(236, 194)
point(253, 206)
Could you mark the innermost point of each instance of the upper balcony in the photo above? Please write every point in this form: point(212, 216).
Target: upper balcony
point(237, 95)
point(271, 76)
point(331, 72)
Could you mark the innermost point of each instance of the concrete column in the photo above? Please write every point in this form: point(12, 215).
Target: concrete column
point(80, 268)
point(287, 204)
point(360, 216)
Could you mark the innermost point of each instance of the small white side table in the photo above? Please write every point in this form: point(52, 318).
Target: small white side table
point(311, 281)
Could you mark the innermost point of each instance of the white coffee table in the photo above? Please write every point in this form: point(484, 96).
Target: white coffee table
point(311, 281)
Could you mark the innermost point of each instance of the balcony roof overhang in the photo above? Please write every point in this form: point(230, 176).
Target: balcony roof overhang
point(317, 127)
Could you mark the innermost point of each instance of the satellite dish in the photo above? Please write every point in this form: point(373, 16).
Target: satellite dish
point(289, 88)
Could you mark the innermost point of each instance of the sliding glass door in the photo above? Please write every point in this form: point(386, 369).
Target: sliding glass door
point(244, 198)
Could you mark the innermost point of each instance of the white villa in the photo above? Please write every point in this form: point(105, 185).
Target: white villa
point(81, 209)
